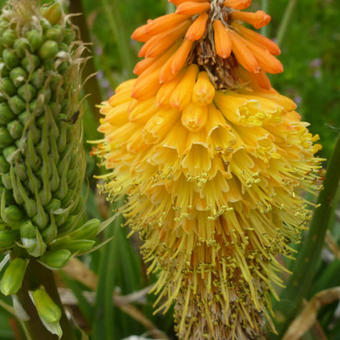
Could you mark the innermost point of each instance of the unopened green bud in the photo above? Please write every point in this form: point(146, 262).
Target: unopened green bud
point(54, 33)
point(16, 104)
point(54, 205)
point(69, 36)
point(49, 49)
point(12, 279)
point(18, 76)
point(15, 129)
point(87, 230)
point(4, 71)
point(4, 166)
point(72, 245)
point(41, 218)
point(31, 62)
point(46, 308)
point(10, 58)
point(56, 259)
point(36, 107)
point(27, 231)
point(8, 37)
point(8, 238)
point(52, 13)
point(21, 45)
point(5, 138)
point(23, 117)
point(13, 215)
point(6, 181)
point(27, 92)
point(6, 115)
point(7, 87)
point(10, 153)
point(35, 39)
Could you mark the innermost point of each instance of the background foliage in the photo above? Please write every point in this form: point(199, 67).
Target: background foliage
point(312, 78)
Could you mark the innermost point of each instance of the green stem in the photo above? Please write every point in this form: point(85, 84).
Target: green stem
point(285, 21)
point(300, 282)
point(265, 7)
point(119, 32)
point(91, 86)
point(37, 275)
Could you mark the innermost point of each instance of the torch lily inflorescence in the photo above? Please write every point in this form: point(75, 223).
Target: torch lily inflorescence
point(213, 162)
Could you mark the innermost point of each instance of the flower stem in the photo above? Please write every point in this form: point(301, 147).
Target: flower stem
point(37, 275)
point(119, 32)
point(91, 86)
point(265, 7)
point(299, 284)
point(285, 21)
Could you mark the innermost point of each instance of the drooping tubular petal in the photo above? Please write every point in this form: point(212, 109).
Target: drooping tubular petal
point(222, 40)
point(181, 56)
point(197, 28)
point(237, 4)
point(243, 54)
point(258, 38)
point(165, 22)
point(191, 7)
point(257, 19)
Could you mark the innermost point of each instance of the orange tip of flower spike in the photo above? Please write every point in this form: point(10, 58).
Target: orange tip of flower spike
point(180, 56)
point(257, 19)
point(192, 8)
point(222, 40)
point(164, 22)
point(237, 4)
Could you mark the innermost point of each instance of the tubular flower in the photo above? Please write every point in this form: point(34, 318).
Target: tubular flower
point(212, 161)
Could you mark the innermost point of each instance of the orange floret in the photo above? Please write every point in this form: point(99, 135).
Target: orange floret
point(237, 4)
point(197, 28)
point(222, 40)
point(258, 38)
point(191, 7)
point(257, 19)
point(243, 54)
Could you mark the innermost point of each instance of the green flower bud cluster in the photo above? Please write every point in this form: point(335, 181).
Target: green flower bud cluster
point(42, 160)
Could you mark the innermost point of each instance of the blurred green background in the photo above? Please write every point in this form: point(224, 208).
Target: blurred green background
point(310, 54)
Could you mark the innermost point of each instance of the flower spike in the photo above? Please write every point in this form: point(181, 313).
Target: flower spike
point(213, 161)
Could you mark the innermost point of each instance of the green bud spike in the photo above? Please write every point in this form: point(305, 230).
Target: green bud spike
point(12, 279)
point(8, 238)
point(54, 204)
point(55, 259)
point(55, 33)
point(46, 308)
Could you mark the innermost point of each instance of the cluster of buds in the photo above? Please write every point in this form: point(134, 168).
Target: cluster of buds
point(42, 159)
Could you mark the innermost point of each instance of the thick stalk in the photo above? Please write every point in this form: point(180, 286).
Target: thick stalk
point(285, 21)
point(91, 86)
point(36, 276)
point(301, 280)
